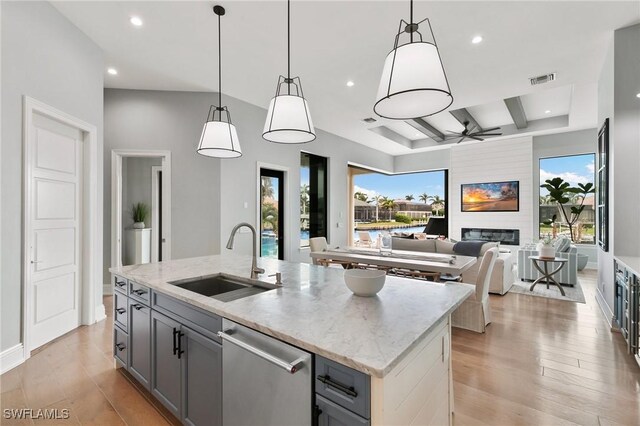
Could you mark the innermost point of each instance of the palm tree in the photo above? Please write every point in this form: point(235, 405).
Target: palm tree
point(361, 196)
point(378, 200)
point(388, 204)
point(437, 202)
point(409, 197)
point(304, 197)
point(266, 187)
point(424, 197)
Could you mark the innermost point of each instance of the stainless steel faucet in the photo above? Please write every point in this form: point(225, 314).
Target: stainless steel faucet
point(254, 267)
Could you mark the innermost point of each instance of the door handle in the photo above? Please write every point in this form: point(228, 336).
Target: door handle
point(175, 341)
point(180, 351)
point(137, 306)
point(139, 292)
point(121, 310)
point(120, 346)
point(291, 367)
point(36, 261)
point(338, 386)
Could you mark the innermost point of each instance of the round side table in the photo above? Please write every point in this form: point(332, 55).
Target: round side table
point(547, 276)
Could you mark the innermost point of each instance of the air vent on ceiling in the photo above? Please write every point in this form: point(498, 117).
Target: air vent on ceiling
point(541, 79)
point(369, 120)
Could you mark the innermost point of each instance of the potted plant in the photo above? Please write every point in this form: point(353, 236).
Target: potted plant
point(139, 211)
point(545, 247)
point(564, 194)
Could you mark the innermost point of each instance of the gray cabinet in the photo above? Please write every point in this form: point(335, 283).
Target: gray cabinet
point(121, 347)
point(331, 414)
point(202, 380)
point(166, 373)
point(186, 371)
point(343, 395)
point(140, 342)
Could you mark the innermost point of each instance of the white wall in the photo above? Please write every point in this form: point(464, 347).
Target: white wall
point(208, 195)
point(492, 161)
point(47, 58)
point(606, 283)
point(626, 145)
point(431, 160)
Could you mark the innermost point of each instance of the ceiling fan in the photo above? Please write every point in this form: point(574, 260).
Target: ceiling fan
point(472, 133)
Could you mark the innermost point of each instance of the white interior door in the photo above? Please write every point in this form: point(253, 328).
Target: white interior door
point(55, 180)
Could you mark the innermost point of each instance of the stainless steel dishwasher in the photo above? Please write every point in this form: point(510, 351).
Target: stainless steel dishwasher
point(264, 381)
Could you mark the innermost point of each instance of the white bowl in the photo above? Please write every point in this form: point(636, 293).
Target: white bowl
point(364, 282)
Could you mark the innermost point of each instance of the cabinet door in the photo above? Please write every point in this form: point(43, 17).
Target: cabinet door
point(165, 362)
point(140, 342)
point(331, 414)
point(202, 385)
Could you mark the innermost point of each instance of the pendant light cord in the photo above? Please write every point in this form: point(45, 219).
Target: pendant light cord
point(411, 19)
point(288, 47)
point(219, 64)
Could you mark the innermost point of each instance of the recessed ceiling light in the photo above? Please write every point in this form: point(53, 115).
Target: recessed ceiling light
point(477, 39)
point(638, 95)
point(112, 71)
point(350, 83)
point(136, 21)
point(548, 111)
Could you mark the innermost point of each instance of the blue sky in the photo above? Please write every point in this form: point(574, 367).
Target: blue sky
point(574, 169)
point(397, 186)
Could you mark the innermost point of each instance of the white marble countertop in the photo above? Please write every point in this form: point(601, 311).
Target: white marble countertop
point(631, 262)
point(315, 310)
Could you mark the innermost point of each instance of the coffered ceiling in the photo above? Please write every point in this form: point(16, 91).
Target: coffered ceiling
point(339, 41)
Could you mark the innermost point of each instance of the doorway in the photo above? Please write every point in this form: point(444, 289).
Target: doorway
point(140, 182)
point(272, 212)
point(61, 231)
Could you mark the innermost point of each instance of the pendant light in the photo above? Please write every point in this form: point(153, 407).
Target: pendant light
point(413, 82)
point(288, 120)
point(219, 136)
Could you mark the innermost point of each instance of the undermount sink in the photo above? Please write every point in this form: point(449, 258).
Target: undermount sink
point(224, 287)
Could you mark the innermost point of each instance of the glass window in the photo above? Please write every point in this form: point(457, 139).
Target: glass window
point(398, 203)
point(556, 220)
point(313, 197)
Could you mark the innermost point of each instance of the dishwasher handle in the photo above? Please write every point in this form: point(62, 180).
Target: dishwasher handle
point(291, 367)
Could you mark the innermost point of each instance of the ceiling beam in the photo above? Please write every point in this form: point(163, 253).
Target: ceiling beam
point(386, 132)
point(421, 125)
point(514, 105)
point(463, 115)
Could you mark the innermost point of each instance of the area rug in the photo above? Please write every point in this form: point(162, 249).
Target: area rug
point(572, 294)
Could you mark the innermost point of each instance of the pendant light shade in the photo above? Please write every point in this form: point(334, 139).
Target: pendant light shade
point(288, 119)
point(219, 137)
point(413, 82)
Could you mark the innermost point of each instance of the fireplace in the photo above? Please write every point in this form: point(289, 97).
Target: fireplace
point(509, 237)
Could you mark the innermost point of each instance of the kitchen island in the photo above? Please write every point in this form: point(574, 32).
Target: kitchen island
point(399, 339)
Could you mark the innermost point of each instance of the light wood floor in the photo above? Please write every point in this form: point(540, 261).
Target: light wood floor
point(541, 362)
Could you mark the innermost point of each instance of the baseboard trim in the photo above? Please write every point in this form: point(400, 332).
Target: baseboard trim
point(11, 358)
point(100, 313)
point(107, 289)
point(604, 308)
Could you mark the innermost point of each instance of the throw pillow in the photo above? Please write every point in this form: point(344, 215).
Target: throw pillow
point(562, 244)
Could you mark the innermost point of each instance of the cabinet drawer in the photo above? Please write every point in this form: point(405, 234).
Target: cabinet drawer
point(120, 284)
point(139, 292)
point(343, 385)
point(331, 414)
point(120, 310)
point(121, 347)
point(201, 321)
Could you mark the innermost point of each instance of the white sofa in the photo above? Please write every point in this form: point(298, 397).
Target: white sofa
point(502, 277)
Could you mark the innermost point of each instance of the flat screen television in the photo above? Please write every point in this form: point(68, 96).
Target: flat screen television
point(490, 196)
